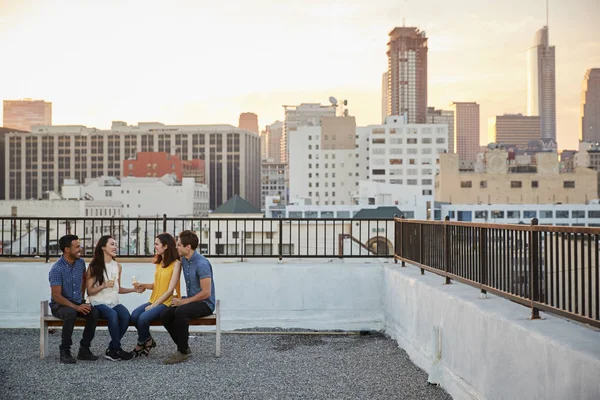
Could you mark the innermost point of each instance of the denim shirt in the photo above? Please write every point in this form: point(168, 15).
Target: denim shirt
point(69, 278)
point(194, 269)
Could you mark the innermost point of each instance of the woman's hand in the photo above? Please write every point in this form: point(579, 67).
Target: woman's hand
point(149, 307)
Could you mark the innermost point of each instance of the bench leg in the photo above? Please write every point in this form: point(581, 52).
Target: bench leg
point(43, 330)
point(218, 335)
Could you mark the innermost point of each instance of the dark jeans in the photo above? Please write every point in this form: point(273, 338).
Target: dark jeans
point(118, 321)
point(176, 321)
point(68, 315)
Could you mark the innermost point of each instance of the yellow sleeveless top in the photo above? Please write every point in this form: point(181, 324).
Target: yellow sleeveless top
point(162, 278)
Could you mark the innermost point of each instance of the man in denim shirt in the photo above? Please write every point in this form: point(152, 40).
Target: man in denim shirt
point(200, 300)
point(67, 277)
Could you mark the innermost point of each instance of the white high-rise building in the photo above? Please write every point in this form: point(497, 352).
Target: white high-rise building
point(541, 84)
point(385, 87)
point(306, 114)
point(328, 161)
point(406, 157)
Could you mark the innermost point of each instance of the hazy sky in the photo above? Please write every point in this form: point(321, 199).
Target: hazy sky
point(195, 62)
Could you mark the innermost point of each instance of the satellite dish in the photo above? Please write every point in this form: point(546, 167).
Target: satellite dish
point(333, 101)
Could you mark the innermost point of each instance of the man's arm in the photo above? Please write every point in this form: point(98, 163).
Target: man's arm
point(60, 299)
point(205, 284)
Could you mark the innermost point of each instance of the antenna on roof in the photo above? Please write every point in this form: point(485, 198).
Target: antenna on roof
point(547, 19)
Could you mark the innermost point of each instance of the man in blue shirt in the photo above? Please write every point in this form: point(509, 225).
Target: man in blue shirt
point(200, 300)
point(67, 284)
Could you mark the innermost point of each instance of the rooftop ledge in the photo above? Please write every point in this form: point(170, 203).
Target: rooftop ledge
point(473, 347)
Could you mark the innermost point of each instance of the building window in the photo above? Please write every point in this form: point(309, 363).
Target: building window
point(534, 184)
point(378, 141)
point(593, 214)
point(218, 235)
point(516, 184)
point(411, 141)
point(529, 214)
point(569, 184)
point(108, 193)
point(483, 184)
point(546, 214)
point(426, 140)
point(379, 172)
point(440, 141)
point(427, 192)
point(562, 214)
point(577, 214)
point(498, 214)
point(513, 214)
point(466, 184)
point(481, 214)
point(426, 182)
point(235, 235)
point(412, 182)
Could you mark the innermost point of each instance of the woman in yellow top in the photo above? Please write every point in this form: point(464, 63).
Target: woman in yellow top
point(166, 280)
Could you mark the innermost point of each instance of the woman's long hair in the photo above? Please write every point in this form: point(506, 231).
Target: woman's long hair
point(170, 253)
point(97, 267)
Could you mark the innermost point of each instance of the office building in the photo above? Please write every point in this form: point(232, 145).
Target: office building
point(514, 129)
point(407, 79)
point(248, 122)
point(26, 113)
point(272, 137)
point(443, 117)
point(590, 106)
point(273, 180)
point(541, 84)
point(40, 161)
point(504, 179)
point(466, 130)
point(306, 114)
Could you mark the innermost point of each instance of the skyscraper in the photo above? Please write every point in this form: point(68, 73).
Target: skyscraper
point(385, 85)
point(541, 84)
point(466, 130)
point(590, 106)
point(407, 74)
point(23, 114)
point(514, 129)
point(248, 122)
point(272, 141)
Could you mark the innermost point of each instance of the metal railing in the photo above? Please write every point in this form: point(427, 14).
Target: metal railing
point(219, 237)
point(549, 268)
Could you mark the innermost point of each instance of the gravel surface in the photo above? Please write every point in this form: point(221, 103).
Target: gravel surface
point(250, 367)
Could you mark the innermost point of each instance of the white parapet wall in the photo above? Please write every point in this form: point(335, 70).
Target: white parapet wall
point(311, 294)
point(488, 348)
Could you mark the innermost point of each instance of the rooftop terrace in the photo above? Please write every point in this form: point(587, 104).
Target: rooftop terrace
point(257, 366)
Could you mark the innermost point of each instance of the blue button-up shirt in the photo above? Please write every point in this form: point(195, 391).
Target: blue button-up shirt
point(194, 269)
point(69, 277)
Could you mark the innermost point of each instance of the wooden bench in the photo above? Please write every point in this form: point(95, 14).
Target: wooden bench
point(47, 320)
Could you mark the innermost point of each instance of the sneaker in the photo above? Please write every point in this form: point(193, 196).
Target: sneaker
point(112, 355)
point(85, 354)
point(124, 355)
point(66, 357)
point(177, 357)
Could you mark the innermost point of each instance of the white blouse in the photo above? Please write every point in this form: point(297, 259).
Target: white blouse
point(108, 296)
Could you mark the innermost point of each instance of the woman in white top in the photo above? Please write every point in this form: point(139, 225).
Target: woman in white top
point(103, 279)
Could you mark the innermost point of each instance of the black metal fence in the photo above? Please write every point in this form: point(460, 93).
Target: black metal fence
point(219, 237)
point(549, 268)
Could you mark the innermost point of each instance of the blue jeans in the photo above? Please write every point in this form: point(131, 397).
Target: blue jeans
point(118, 321)
point(141, 319)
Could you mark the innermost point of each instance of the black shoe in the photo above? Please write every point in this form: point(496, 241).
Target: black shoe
point(85, 354)
point(111, 355)
point(66, 357)
point(188, 351)
point(124, 355)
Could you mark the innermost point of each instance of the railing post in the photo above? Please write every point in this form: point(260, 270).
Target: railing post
point(534, 269)
point(164, 222)
point(447, 250)
point(403, 264)
point(396, 239)
point(47, 240)
point(421, 247)
point(280, 238)
point(483, 258)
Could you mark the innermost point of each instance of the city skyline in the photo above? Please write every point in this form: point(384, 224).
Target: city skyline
point(142, 70)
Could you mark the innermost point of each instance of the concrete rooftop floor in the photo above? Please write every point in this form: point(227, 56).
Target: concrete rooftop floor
point(252, 366)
